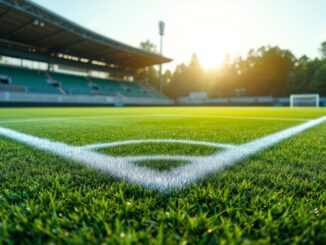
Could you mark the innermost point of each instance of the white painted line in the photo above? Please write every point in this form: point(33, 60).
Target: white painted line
point(175, 141)
point(214, 163)
point(162, 157)
point(122, 168)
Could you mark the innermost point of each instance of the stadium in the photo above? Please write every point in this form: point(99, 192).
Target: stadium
point(33, 33)
point(100, 144)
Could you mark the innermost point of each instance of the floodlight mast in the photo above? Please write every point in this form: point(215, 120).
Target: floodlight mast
point(161, 26)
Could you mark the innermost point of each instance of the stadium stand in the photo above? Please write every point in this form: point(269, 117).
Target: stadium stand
point(135, 90)
point(32, 33)
point(110, 86)
point(30, 81)
point(36, 83)
point(72, 85)
point(151, 91)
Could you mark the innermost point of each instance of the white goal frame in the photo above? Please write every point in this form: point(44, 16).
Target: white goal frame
point(293, 97)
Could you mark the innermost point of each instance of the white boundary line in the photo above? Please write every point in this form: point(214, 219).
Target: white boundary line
point(161, 157)
point(175, 141)
point(122, 168)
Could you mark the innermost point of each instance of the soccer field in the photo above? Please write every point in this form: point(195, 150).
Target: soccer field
point(163, 175)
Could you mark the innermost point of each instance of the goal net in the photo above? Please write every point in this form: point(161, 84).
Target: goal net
point(311, 100)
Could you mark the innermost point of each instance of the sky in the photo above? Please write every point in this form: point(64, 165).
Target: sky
point(209, 28)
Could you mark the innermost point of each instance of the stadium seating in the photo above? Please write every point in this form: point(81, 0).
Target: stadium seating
point(33, 81)
point(128, 89)
point(134, 89)
point(73, 85)
point(138, 90)
point(108, 86)
point(153, 92)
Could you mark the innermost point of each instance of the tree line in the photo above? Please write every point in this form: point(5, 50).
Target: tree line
point(266, 71)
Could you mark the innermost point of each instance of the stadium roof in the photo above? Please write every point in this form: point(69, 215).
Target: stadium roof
point(28, 30)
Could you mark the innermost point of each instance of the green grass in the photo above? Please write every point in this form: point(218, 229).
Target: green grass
point(156, 149)
point(276, 196)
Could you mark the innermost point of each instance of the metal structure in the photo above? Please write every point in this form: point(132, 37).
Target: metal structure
point(308, 100)
point(161, 26)
point(29, 31)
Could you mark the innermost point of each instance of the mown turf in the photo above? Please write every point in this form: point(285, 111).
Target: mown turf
point(172, 149)
point(156, 149)
point(276, 196)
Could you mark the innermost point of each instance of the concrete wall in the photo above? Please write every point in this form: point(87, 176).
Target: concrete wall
point(242, 101)
point(12, 97)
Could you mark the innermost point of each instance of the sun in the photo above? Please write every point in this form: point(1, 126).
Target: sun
point(211, 58)
point(214, 49)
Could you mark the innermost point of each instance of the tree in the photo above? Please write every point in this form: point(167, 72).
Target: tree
point(264, 71)
point(223, 82)
point(149, 74)
point(176, 88)
point(300, 77)
point(318, 84)
point(148, 46)
point(195, 75)
point(167, 76)
point(186, 79)
point(323, 50)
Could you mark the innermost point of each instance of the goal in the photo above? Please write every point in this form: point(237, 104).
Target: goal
point(311, 100)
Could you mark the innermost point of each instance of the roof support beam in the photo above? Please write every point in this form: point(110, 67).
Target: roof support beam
point(98, 47)
point(33, 9)
point(3, 14)
point(49, 37)
point(16, 30)
point(15, 45)
point(5, 51)
point(67, 45)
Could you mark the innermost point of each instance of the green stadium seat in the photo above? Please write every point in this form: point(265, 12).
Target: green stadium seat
point(111, 86)
point(73, 85)
point(128, 89)
point(34, 81)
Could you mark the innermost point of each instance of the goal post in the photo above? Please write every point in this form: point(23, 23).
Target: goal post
point(308, 100)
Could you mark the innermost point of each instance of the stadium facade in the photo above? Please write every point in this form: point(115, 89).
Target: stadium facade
point(103, 68)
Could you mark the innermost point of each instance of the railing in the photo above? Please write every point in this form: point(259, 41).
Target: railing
point(79, 99)
point(11, 88)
